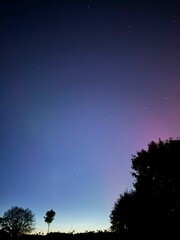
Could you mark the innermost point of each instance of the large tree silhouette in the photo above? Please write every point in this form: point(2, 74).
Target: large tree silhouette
point(155, 202)
point(123, 214)
point(49, 218)
point(17, 221)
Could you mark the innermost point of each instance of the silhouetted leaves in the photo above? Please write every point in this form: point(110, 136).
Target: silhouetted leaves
point(154, 205)
point(17, 221)
point(49, 217)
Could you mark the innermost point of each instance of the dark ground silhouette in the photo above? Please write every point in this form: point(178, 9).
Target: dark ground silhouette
point(67, 236)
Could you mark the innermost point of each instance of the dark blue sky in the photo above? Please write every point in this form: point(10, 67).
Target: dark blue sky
point(83, 86)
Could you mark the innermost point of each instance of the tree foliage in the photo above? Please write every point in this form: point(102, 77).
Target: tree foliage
point(123, 212)
point(18, 221)
point(49, 217)
point(154, 205)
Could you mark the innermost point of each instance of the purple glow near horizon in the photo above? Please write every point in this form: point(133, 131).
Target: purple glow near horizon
point(84, 86)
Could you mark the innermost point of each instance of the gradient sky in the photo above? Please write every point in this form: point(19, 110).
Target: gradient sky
point(84, 85)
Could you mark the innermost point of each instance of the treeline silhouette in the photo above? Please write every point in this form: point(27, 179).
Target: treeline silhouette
point(151, 209)
point(153, 206)
point(100, 235)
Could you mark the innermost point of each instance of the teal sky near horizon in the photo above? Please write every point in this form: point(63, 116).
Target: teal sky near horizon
point(84, 85)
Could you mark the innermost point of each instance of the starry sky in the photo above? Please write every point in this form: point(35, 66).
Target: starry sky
point(84, 85)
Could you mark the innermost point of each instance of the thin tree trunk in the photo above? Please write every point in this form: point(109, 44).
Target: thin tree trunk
point(48, 227)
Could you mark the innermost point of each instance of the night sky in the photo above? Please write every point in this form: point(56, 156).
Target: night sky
point(84, 85)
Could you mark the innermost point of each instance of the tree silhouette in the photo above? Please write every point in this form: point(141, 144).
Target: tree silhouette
point(154, 205)
point(123, 214)
point(49, 218)
point(17, 221)
point(157, 182)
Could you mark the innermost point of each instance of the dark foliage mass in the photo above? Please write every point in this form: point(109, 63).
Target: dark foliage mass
point(154, 204)
point(49, 217)
point(17, 221)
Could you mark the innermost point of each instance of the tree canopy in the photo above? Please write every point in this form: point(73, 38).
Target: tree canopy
point(49, 217)
point(18, 221)
point(154, 204)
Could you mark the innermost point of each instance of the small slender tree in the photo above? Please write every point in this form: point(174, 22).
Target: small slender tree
point(49, 218)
